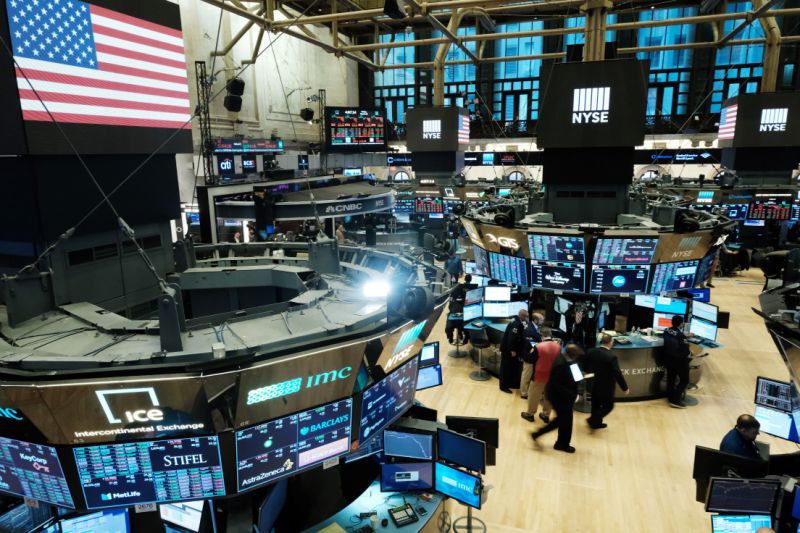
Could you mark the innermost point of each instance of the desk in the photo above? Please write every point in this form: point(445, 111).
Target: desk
point(495, 328)
point(374, 500)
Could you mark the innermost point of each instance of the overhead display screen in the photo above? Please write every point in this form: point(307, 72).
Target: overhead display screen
point(287, 445)
point(33, 471)
point(760, 120)
point(557, 248)
point(256, 146)
point(116, 85)
point(619, 279)
point(508, 268)
point(674, 276)
point(355, 129)
point(570, 277)
point(481, 260)
point(625, 251)
point(770, 209)
point(429, 205)
point(114, 475)
point(436, 129)
point(386, 400)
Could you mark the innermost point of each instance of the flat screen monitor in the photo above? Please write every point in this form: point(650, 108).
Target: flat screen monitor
point(705, 311)
point(187, 515)
point(429, 355)
point(509, 268)
point(662, 321)
point(408, 445)
point(470, 267)
point(429, 376)
point(673, 306)
point(461, 450)
point(770, 209)
point(352, 172)
point(495, 293)
point(481, 260)
point(703, 328)
point(515, 307)
point(457, 484)
point(755, 223)
point(495, 310)
point(562, 305)
point(775, 394)
point(560, 248)
point(23, 518)
point(473, 296)
point(746, 496)
point(669, 277)
point(736, 211)
point(485, 429)
point(739, 523)
point(286, 445)
point(406, 476)
point(471, 312)
point(109, 521)
point(352, 129)
point(646, 300)
point(704, 270)
point(777, 423)
point(619, 279)
point(31, 470)
point(385, 401)
point(710, 463)
point(567, 277)
point(480, 281)
point(625, 251)
point(700, 295)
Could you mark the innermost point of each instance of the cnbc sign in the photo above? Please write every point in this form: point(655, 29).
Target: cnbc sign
point(295, 385)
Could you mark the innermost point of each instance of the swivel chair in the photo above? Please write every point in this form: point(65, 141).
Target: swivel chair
point(480, 341)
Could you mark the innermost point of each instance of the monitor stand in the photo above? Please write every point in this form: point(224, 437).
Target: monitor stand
point(458, 524)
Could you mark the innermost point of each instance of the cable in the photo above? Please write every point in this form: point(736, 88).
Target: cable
point(283, 88)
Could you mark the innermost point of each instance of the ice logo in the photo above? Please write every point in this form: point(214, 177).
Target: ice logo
point(618, 281)
point(304, 431)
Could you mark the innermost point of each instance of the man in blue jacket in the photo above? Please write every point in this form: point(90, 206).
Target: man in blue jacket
point(741, 440)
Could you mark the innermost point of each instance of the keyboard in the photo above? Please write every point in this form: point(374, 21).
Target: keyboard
point(694, 340)
point(622, 340)
point(478, 324)
point(403, 515)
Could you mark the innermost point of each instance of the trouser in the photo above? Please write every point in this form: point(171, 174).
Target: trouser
point(454, 325)
point(677, 370)
point(602, 405)
point(562, 422)
point(527, 377)
point(536, 393)
point(509, 371)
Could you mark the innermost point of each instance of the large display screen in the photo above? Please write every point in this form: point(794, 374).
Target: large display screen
point(614, 251)
point(508, 268)
point(770, 209)
point(436, 129)
point(354, 129)
point(406, 476)
point(674, 276)
point(619, 279)
point(457, 484)
point(386, 400)
point(568, 249)
point(33, 471)
point(287, 445)
point(760, 120)
point(116, 85)
point(775, 394)
point(114, 475)
point(570, 277)
point(111, 521)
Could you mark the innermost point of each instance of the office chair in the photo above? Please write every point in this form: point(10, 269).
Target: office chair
point(480, 341)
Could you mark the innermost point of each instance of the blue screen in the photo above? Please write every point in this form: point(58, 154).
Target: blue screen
point(796, 504)
point(386, 400)
point(673, 306)
point(429, 376)
point(508, 268)
point(700, 295)
point(562, 248)
point(406, 476)
point(462, 450)
point(674, 276)
point(33, 471)
point(471, 312)
point(619, 279)
point(286, 445)
point(739, 523)
point(411, 445)
point(113, 475)
point(777, 423)
point(111, 521)
point(429, 355)
point(459, 485)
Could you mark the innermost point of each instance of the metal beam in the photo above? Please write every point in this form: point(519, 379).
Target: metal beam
point(752, 15)
point(329, 48)
point(437, 24)
point(237, 11)
point(236, 38)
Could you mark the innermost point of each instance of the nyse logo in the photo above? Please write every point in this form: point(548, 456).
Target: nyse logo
point(505, 242)
point(774, 119)
point(399, 357)
point(431, 129)
point(590, 105)
point(136, 415)
point(226, 164)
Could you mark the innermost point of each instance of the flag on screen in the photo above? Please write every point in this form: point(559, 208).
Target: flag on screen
point(463, 129)
point(91, 65)
point(727, 122)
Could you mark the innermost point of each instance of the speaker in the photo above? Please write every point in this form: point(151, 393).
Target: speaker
point(392, 10)
point(307, 114)
point(235, 86)
point(232, 103)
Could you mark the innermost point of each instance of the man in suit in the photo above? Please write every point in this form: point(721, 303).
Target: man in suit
point(561, 391)
point(676, 358)
point(513, 345)
point(603, 363)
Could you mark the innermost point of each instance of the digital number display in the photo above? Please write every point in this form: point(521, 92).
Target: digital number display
point(619, 279)
point(429, 205)
point(33, 471)
point(386, 400)
point(558, 276)
point(674, 276)
point(287, 445)
point(557, 248)
point(508, 268)
point(115, 475)
point(770, 210)
point(612, 251)
point(355, 128)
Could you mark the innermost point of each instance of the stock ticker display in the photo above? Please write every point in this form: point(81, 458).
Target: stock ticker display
point(674, 276)
point(770, 210)
point(508, 268)
point(568, 249)
point(355, 128)
point(613, 251)
point(619, 279)
point(115, 475)
point(558, 276)
point(284, 446)
point(386, 400)
point(33, 471)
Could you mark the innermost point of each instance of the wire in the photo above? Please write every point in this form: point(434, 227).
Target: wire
point(283, 88)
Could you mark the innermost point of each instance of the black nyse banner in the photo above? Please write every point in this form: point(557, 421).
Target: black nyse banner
point(436, 129)
point(760, 121)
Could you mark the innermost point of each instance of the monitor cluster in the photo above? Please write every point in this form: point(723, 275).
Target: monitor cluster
point(702, 317)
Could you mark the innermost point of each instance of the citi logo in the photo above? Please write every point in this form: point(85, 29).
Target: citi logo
point(590, 105)
point(431, 129)
point(774, 119)
point(226, 164)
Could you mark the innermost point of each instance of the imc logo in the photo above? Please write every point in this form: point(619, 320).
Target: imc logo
point(773, 119)
point(431, 129)
point(590, 105)
point(285, 388)
point(134, 415)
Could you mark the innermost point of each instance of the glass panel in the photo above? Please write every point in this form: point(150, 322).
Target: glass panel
point(666, 101)
point(652, 99)
point(523, 107)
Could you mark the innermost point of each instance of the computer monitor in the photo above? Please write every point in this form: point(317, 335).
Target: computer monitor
point(705, 311)
point(668, 277)
point(187, 515)
point(474, 296)
point(673, 306)
point(699, 295)
point(485, 429)
point(471, 312)
point(710, 463)
point(408, 445)
point(386, 400)
point(562, 305)
point(645, 300)
point(775, 394)
point(108, 521)
point(515, 307)
point(480, 281)
point(471, 267)
point(457, 484)
point(745, 496)
point(406, 476)
point(739, 523)
point(662, 321)
point(703, 328)
point(461, 450)
point(495, 310)
point(429, 376)
point(429, 355)
point(777, 423)
point(756, 223)
point(497, 293)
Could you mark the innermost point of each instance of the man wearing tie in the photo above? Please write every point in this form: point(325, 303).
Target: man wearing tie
point(603, 363)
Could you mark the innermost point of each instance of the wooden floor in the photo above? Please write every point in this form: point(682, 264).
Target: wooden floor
point(635, 476)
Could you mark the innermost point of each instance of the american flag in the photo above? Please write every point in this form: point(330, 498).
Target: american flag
point(91, 65)
point(463, 129)
point(727, 122)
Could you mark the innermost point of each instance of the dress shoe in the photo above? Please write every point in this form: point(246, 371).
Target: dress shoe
point(563, 448)
point(545, 418)
point(601, 425)
point(526, 416)
point(507, 391)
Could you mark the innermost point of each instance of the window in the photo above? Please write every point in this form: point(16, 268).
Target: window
point(392, 86)
point(518, 99)
point(580, 22)
point(666, 35)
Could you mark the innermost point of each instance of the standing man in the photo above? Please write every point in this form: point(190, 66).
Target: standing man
point(545, 354)
point(561, 391)
point(340, 238)
point(676, 359)
point(528, 357)
point(605, 366)
point(512, 347)
point(741, 440)
point(453, 267)
point(457, 307)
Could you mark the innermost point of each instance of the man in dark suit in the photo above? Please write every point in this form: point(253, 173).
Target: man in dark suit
point(603, 363)
point(513, 345)
point(561, 390)
point(676, 359)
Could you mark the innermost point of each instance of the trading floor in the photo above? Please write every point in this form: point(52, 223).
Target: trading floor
point(636, 475)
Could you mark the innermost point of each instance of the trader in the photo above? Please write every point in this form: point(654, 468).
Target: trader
point(741, 440)
point(457, 307)
point(544, 354)
point(528, 358)
point(513, 345)
point(340, 237)
point(561, 391)
point(580, 331)
point(453, 267)
point(676, 359)
point(603, 363)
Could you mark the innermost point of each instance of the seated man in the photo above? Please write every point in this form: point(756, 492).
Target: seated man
point(741, 440)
